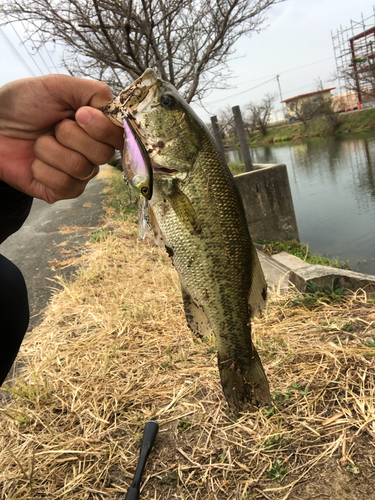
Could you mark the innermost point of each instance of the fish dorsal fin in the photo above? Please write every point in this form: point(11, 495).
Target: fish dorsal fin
point(258, 292)
point(195, 315)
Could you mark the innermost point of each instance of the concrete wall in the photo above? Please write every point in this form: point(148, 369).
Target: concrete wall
point(268, 203)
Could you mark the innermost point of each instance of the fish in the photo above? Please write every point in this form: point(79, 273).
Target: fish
point(196, 213)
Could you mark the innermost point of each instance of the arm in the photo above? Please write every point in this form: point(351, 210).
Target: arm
point(52, 137)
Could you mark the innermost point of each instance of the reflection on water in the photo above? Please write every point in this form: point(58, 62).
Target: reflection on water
point(333, 186)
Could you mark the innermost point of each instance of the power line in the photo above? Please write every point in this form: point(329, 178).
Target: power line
point(288, 70)
point(243, 92)
point(23, 43)
point(16, 53)
point(256, 79)
point(50, 58)
point(40, 55)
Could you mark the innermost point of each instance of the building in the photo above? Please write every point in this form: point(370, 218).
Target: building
point(293, 104)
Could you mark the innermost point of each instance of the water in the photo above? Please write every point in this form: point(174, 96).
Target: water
point(333, 187)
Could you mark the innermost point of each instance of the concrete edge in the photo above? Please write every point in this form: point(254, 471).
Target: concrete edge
point(285, 273)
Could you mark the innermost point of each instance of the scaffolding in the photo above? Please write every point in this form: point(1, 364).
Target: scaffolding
point(354, 50)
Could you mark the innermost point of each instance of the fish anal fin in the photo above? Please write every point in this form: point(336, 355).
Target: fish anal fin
point(195, 315)
point(258, 293)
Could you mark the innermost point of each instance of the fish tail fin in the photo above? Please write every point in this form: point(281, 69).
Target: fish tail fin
point(244, 382)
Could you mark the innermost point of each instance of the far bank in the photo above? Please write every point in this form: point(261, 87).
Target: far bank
point(352, 122)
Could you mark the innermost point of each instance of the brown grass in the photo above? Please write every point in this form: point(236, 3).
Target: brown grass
point(114, 351)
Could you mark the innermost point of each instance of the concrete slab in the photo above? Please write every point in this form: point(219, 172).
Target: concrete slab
point(284, 271)
point(290, 261)
point(325, 276)
point(276, 273)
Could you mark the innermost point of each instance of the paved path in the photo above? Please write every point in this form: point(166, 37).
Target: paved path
point(40, 241)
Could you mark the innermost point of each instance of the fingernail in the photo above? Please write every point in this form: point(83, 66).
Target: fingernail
point(83, 116)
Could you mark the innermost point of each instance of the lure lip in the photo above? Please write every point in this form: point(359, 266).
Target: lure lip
point(136, 162)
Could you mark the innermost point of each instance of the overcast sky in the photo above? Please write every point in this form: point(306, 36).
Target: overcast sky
point(297, 45)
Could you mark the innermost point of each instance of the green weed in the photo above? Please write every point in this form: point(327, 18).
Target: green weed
point(353, 469)
point(118, 198)
point(277, 471)
point(273, 442)
point(99, 236)
point(237, 168)
point(370, 343)
point(184, 425)
point(315, 295)
point(300, 250)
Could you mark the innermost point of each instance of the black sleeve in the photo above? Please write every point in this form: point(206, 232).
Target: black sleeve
point(14, 209)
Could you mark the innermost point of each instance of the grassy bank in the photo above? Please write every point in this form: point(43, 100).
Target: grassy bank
point(356, 122)
point(114, 350)
point(300, 250)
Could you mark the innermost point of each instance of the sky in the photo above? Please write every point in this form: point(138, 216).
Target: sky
point(296, 44)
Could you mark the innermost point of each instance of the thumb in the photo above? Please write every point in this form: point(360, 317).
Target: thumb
point(77, 92)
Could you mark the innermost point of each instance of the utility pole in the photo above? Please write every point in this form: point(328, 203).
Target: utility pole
point(281, 96)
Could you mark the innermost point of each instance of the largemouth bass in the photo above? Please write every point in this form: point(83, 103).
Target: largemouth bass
point(197, 214)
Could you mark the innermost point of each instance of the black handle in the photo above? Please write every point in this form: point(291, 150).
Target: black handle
point(149, 436)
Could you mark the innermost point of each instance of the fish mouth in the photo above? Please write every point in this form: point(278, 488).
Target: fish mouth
point(137, 91)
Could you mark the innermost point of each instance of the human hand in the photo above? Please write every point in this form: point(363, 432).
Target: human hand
point(52, 137)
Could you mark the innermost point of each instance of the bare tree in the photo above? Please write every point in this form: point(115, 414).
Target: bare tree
point(226, 122)
point(259, 114)
point(307, 109)
point(325, 107)
point(188, 43)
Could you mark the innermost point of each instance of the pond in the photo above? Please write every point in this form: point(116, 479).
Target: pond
point(333, 187)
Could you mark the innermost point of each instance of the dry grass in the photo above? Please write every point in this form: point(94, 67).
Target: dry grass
point(114, 351)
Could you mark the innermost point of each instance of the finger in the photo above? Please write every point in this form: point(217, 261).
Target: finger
point(75, 92)
point(58, 184)
point(71, 135)
point(99, 127)
point(69, 162)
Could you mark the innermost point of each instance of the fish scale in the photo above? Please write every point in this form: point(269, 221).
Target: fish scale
point(197, 213)
point(215, 267)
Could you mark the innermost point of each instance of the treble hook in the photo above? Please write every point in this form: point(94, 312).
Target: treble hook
point(136, 199)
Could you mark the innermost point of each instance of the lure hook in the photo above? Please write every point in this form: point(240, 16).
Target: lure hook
point(131, 200)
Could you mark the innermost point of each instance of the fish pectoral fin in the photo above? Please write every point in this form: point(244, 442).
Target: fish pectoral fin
point(184, 210)
point(195, 315)
point(258, 293)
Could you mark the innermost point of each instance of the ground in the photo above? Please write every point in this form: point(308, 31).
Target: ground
point(114, 351)
point(51, 242)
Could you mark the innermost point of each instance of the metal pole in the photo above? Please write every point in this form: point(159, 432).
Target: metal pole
point(217, 135)
point(241, 132)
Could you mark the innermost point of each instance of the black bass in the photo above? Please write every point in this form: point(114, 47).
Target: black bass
point(197, 213)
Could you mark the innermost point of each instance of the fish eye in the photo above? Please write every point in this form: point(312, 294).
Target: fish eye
point(167, 101)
